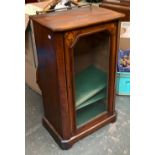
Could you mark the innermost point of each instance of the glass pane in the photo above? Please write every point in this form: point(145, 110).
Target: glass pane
point(91, 66)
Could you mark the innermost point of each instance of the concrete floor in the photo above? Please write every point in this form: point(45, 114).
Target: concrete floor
point(113, 139)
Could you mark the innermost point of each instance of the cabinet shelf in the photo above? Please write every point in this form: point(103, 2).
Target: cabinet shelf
point(93, 99)
point(90, 112)
point(91, 86)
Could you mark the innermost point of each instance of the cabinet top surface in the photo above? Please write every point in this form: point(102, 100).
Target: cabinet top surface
point(76, 18)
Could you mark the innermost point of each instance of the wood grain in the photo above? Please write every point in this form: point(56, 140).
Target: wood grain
point(76, 18)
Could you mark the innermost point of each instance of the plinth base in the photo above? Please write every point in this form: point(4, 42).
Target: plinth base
point(67, 143)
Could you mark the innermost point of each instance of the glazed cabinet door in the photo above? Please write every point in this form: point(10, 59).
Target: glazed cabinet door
point(90, 69)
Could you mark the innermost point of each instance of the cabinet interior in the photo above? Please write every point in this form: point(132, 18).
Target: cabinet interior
point(91, 66)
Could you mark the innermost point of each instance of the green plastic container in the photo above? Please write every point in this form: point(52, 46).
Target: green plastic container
point(123, 83)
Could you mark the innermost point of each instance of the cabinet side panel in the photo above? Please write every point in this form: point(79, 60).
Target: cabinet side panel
point(47, 75)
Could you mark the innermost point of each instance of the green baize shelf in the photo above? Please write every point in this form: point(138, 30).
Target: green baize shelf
point(91, 85)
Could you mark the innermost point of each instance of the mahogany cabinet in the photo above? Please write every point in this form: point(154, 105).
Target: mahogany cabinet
point(77, 54)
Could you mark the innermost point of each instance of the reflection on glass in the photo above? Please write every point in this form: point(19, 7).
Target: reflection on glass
point(91, 59)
